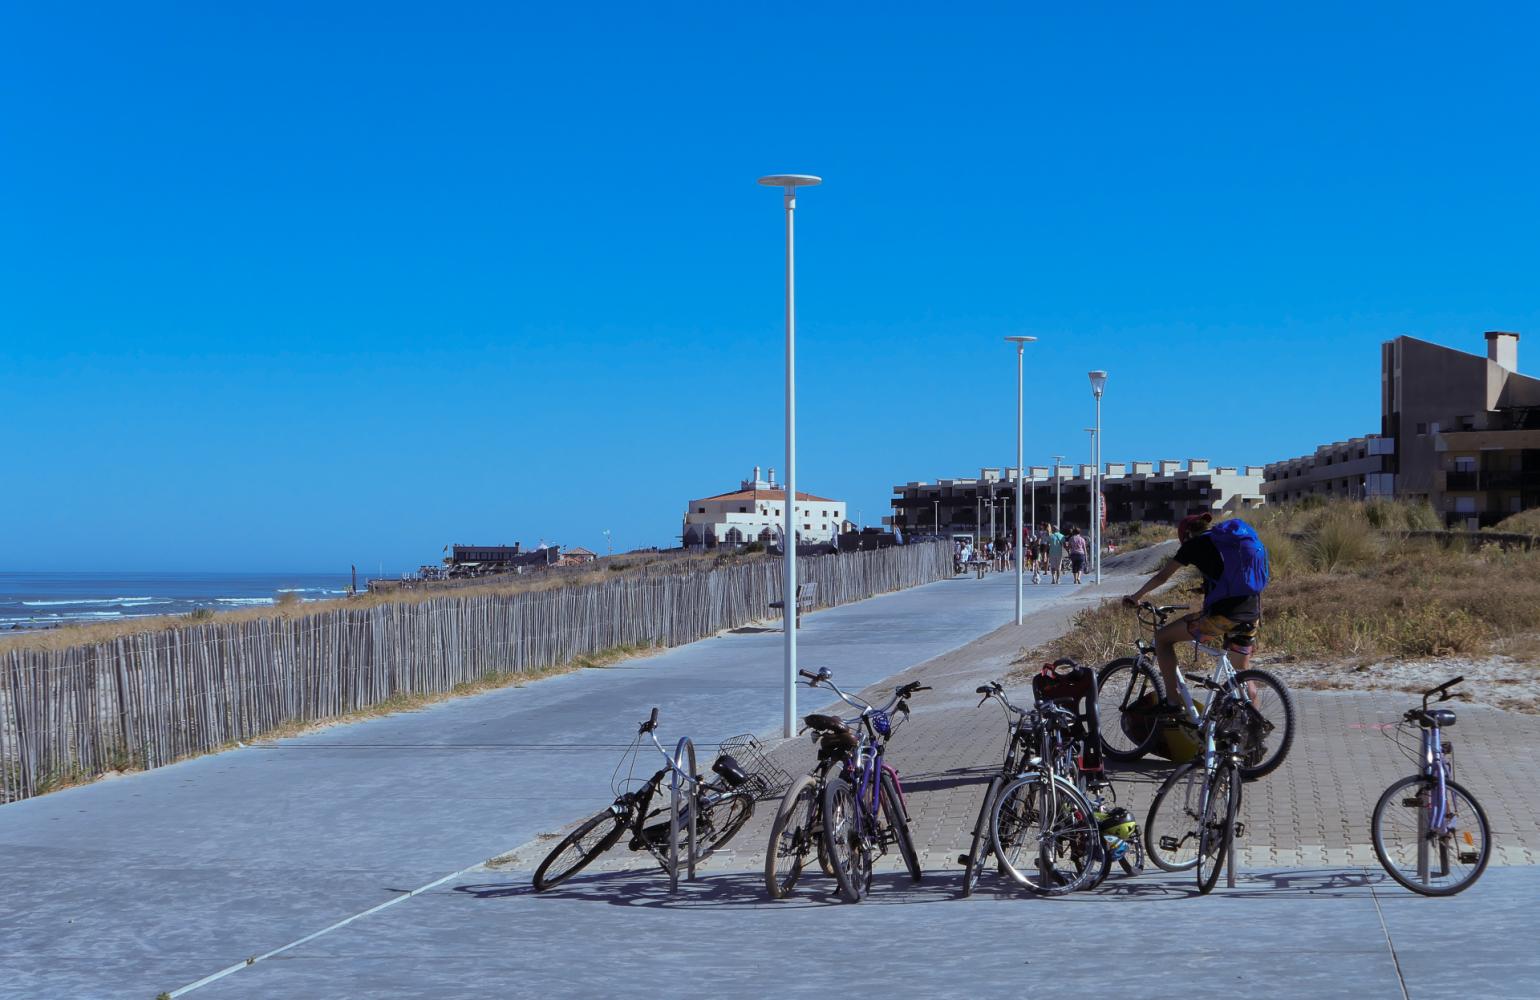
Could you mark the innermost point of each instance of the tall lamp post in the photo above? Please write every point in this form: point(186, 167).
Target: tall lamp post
point(1021, 345)
point(1098, 383)
point(789, 183)
point(1058, 493)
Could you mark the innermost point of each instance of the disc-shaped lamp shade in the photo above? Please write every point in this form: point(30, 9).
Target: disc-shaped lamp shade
point(790, 180)
point(1022, 340)
point(1098, 382)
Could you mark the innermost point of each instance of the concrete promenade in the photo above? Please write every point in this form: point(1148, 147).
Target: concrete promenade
point(153, 882)
point(145, 883)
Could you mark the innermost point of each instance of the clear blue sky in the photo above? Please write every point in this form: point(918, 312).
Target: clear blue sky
point(294, 286)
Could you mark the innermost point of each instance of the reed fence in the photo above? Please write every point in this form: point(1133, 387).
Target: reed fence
point(151, 698)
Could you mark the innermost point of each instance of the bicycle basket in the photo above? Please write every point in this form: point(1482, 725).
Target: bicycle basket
point(766, 778)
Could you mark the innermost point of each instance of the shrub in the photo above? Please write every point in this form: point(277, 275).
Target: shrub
point(1340, 541)
point(286, 600)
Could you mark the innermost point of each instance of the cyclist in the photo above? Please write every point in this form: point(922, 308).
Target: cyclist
point(1233, 563)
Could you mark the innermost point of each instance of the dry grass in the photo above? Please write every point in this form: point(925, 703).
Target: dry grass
point(289, 606)
point(1347, 590)
point(1526, 523)
point(1138, 535)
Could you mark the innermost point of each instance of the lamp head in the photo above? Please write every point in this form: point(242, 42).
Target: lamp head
point(790, 180)
point(1018, 341)
point(1098, 382)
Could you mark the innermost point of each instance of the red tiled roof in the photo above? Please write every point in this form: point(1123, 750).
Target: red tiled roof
point(779, 493)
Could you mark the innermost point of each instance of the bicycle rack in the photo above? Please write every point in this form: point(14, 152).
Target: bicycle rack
point(685, 751)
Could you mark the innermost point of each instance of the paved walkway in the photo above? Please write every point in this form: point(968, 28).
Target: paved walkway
point(141, 884)
point(150, 883)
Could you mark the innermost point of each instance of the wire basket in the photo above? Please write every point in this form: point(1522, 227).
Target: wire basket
point(766, 778)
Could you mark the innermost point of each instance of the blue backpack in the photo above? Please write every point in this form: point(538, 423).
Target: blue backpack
point(1245, 562)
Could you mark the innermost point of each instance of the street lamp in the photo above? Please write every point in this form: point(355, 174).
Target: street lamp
point(1058, 493)
point(1021, 344)
point(1098, 383)
point(790, 183)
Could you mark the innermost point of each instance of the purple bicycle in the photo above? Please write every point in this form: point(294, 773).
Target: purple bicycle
point(862, 810)
point(1429, 832)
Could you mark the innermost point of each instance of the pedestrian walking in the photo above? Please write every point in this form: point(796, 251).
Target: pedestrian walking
point(1077, 547)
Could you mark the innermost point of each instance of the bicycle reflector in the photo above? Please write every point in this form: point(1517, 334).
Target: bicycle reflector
point(882, 723)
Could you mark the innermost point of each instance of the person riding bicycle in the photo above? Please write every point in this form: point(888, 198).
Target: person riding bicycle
point(1233, 562)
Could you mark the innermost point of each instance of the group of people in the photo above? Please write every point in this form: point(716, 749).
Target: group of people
point(1049, 550)
point(1049, 553)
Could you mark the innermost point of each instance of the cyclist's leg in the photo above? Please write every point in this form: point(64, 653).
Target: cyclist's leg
point(1166, 641)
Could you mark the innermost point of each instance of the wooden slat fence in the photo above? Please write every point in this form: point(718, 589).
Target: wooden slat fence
point(151, 698)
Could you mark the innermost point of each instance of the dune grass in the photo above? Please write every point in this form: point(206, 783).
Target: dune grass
point(1348, 586)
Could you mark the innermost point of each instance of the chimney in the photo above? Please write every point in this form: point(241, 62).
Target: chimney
point(756, 477)
point(1503, 347)
point(772, 475)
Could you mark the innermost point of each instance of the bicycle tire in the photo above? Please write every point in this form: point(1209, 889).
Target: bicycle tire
point(842, 840)
point(1175, 812)
point(1133, 859)
point(578, 849)
point(898, 821)
point(740, 809)
point(1120, 684)
point(1382, 852)
point(1221, 802)
point(1273, 757)
point(973, 864)
point(1063, 858)
point(796, 823)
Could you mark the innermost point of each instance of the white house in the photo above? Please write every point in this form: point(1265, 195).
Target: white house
point(756, 511)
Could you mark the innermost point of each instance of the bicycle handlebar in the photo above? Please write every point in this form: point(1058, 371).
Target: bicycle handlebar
point(864, 707)
point(1442, 689)
point(650, 725)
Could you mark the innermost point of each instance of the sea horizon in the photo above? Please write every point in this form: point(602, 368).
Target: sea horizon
point(50, 598)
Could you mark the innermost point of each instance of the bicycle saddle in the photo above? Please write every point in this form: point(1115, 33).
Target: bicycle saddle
point(730, 770)
point(825, 723)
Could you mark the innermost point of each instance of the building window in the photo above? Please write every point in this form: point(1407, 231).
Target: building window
point(1422, 428)
point(700, 510)
point(743, 510)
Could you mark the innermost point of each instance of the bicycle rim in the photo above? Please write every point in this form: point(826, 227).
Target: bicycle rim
point(579, 848)
point(1426, 861)
point(842, 839)
point(1267, 728)
point(1218, 825)
point(1046, 836)
point(1127, 692)
point(793, 837)
point(1171, 828)
point(978, 853)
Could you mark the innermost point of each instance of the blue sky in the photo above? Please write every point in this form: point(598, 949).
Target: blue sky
point(297, 286)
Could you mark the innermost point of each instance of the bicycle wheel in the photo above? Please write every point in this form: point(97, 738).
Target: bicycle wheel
point(1171, 828)
point(592, 838)
point(978, 854)
point(1133, 858)
point(843, 844)
point(1268, 723)
point(1427, 861)
point(1220, 802)
point(1127, 695)
point(898, 822)
point(720, 822)
point(1046, 836)
point(793, 837)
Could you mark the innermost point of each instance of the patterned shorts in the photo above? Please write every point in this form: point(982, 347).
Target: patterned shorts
point(1211, 630)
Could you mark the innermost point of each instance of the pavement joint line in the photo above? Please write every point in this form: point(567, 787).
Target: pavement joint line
point(1389, 942)
point(222, 973)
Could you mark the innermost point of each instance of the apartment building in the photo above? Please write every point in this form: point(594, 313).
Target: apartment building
point(1458, 430)
point(1157, 492)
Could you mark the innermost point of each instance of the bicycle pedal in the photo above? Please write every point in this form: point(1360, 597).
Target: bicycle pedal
point(1240, 830)
point(1411, 803)
point(1469, 857)
point(962, 859)
point(1169, 843)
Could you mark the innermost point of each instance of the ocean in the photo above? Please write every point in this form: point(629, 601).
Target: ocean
point(43, 600)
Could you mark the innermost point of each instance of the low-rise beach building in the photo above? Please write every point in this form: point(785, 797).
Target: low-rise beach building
point(756, 511)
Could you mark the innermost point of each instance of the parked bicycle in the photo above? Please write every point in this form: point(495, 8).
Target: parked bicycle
point(698, 816)
point(1129, 695)
point(851, 807)
point(1429, 832)
point(1043, 828)
point(1192, 821)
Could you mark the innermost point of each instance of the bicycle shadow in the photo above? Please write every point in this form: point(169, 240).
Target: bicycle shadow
point(734, 890)
point(935, 781)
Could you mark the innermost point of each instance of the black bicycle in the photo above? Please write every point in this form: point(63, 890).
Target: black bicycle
point(698, 815)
